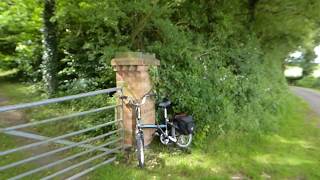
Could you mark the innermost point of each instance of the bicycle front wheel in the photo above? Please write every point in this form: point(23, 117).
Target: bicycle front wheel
point(140, 149)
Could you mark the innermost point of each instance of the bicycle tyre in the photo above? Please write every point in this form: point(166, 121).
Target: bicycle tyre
point(178, 136)
point(184, 141)
point(140, 149)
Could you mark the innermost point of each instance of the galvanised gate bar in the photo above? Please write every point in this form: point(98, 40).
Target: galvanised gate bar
point(86, 153)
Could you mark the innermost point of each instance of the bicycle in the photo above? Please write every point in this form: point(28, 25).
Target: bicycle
point(179, 130)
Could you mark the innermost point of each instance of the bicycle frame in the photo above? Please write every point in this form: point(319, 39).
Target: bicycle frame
point(165, 138)
point(141, 126)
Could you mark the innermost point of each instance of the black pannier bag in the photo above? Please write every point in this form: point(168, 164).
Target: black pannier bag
point(185, 124)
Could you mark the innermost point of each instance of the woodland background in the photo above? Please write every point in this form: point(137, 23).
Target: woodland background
point(221, 61)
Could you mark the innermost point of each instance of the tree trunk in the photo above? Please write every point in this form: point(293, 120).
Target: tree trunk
point(252, 7)
point(50, 48)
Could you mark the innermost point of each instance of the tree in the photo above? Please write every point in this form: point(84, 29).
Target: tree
point(20, 38)
point(251, 8)
point(50, 49)
point(229, 50)
point(307, 63)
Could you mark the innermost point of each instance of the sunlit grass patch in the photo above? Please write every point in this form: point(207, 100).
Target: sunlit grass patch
point(295, 142)
point(8, 72)
point(282, 160)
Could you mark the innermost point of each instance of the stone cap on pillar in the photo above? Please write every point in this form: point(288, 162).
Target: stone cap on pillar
point(134, 59)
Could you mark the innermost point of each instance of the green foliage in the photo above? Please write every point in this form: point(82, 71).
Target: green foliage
point(309, 81)
point(305, 61)
point(308, 65)
point(287, 24)
point(220, 60)
point(90, 36)
point(218, 76)
point(20, 37)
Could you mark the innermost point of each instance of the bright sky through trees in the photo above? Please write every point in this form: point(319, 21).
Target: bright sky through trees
point(297, 54)
point(317, 51)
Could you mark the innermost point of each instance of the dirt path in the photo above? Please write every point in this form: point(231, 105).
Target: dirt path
point(311, 96)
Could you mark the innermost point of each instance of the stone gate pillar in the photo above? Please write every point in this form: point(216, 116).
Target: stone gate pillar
point(132, 75)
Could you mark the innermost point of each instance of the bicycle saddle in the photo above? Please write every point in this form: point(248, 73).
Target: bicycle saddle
point(165, 104)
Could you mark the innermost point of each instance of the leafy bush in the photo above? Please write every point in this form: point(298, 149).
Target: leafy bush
point(20, 37)
point(218, 58)
point(309, 81)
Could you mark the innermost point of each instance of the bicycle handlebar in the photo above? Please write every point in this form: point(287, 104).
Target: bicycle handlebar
point(136, 102)
point(145, 97)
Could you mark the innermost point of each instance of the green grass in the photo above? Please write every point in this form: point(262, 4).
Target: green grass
point(7, 142)
point(18, 92)
point(15, 93)
point(290, 153)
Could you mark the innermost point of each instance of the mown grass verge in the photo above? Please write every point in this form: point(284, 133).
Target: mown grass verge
point(292, 152)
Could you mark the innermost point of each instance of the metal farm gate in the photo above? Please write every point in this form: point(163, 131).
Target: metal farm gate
point(67, 155)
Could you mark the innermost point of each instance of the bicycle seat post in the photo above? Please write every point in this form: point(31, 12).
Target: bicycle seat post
point(138, 114)
point(165, 111)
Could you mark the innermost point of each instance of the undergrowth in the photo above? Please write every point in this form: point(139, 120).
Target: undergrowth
point(309, 82)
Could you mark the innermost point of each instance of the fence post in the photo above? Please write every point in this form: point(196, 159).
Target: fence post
point(133, 76)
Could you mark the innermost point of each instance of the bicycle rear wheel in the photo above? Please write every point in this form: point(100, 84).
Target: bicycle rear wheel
point(184, 141)
point(140, 149)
